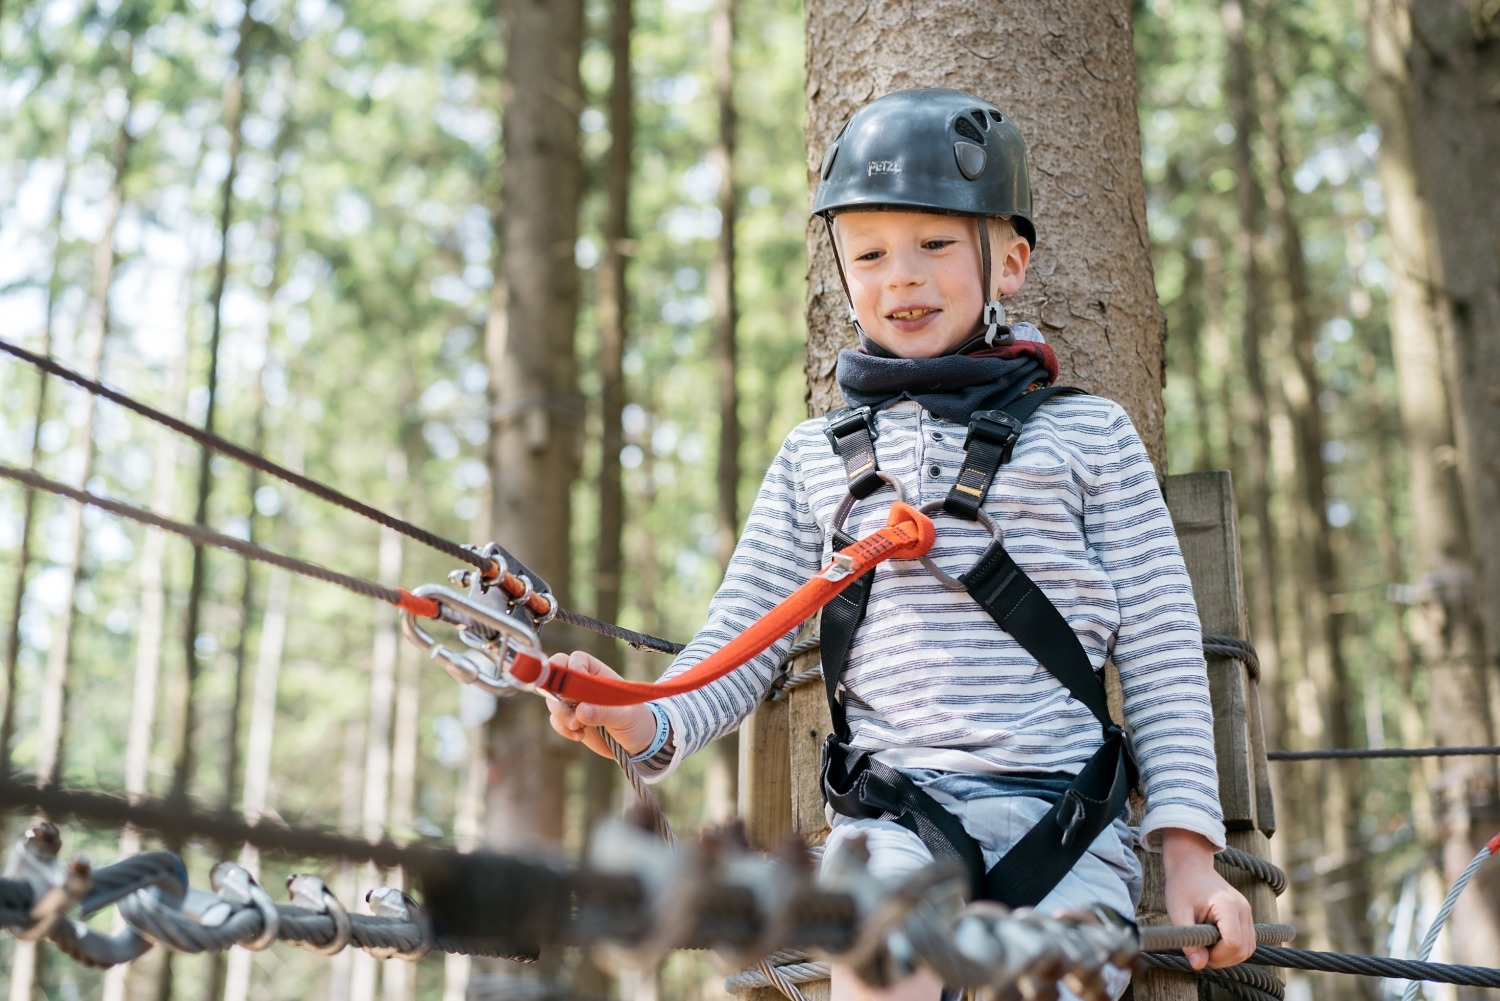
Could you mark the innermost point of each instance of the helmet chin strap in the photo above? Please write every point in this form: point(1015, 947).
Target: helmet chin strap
point(993, 316)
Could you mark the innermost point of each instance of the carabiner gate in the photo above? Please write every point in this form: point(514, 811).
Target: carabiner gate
point(499, 639)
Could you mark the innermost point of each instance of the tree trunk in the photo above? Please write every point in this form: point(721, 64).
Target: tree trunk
point(600, 776)
point(94, 331)
point(1089, 287)
point(1434, 67)
point(722, 792)
point(12, 649)
point(535, 407)
point(375, 800)
point(92, 336)
point(1343, 898)
point(152, 617)
point(184, 711)
point(260, 734)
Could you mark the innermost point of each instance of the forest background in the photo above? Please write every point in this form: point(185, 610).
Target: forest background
point(285, 221)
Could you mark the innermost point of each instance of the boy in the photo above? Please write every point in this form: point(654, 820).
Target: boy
point(940, 694)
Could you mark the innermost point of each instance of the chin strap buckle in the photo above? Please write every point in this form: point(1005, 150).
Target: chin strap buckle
point(995, 330)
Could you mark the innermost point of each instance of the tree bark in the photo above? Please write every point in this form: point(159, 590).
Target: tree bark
point(12, 648)
point(535, 407)
point(1090, 284)
point(184, 711)
point(1434, 68)
point(722, 792)
point(1343, 896)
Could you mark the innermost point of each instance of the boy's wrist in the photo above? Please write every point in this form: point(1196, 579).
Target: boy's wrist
point(1181, 847)
point(661, 732)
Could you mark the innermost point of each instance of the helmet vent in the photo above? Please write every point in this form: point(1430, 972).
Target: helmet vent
point(978, 115)
point(971, 159)
point(966, 128)
point(996, 115)
point(827, 167)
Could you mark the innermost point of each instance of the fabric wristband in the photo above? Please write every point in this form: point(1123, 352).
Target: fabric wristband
point(663, 731)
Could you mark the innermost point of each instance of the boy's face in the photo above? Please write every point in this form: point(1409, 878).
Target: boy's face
point(914, 277)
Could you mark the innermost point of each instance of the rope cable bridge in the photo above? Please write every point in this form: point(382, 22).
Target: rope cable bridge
point(643, 895)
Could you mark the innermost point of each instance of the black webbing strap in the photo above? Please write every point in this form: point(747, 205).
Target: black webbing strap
point(1020, 608)
point(992, 436)
point(1039, 861)
point(1097, 794)
point(851, 432)
point(858, 786)
point(841, 617)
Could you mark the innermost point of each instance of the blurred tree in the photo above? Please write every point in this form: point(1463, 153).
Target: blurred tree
point(723, 787)
point(1435, 68)
point(536, 412)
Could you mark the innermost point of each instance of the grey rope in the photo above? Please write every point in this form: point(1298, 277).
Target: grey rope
point(1229, 646)
point(644, 797)
point(792, 965)
point(1242, 981)
point(1272, 875)
point(1442, 916)
point(1376, 966)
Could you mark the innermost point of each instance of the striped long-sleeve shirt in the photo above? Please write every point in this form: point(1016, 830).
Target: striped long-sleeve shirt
point(931, 681)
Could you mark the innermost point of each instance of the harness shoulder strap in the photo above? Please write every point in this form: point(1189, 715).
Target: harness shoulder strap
point(992, 437)
point(851, 432)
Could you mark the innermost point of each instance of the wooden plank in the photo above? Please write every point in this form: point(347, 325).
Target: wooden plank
point(766, 777)
point(779, 790)
point(808, 724)
point(1203, 512)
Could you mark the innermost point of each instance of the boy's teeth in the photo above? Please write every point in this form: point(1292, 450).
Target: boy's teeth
point(908, 314)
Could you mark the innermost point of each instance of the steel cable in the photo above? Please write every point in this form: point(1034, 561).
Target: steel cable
point(1242, 981)
point(254, 460)
point(1430, 939)
point(224, 446)
point(1267, 872)
point(205, 536)
point(1377, 966)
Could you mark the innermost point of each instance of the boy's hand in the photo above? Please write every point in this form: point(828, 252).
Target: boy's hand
point(1197, 894)
point(632, 727)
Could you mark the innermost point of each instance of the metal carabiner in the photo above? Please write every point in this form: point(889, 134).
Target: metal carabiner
point(929, 509)
point(498, 636)
point(953, 583)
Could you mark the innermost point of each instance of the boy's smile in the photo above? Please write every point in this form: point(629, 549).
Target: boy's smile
point(914, 278)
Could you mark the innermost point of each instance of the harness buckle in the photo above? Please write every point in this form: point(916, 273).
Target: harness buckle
point(995, 426)
point(1127, 746)
point(842, 422)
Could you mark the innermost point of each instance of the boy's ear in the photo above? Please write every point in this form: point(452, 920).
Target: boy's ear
point(1010, 267)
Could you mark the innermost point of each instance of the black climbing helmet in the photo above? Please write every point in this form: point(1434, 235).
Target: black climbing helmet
point(934, 149)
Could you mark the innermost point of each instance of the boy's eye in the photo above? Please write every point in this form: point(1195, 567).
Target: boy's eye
point(937, 244)
point(869, 255)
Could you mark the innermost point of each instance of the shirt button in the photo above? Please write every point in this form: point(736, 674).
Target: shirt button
point(935, 471)
point(937, 436)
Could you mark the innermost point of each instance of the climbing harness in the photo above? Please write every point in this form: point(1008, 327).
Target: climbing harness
point(857, 785)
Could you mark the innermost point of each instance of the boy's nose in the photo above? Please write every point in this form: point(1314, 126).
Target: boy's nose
point(905, 269)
